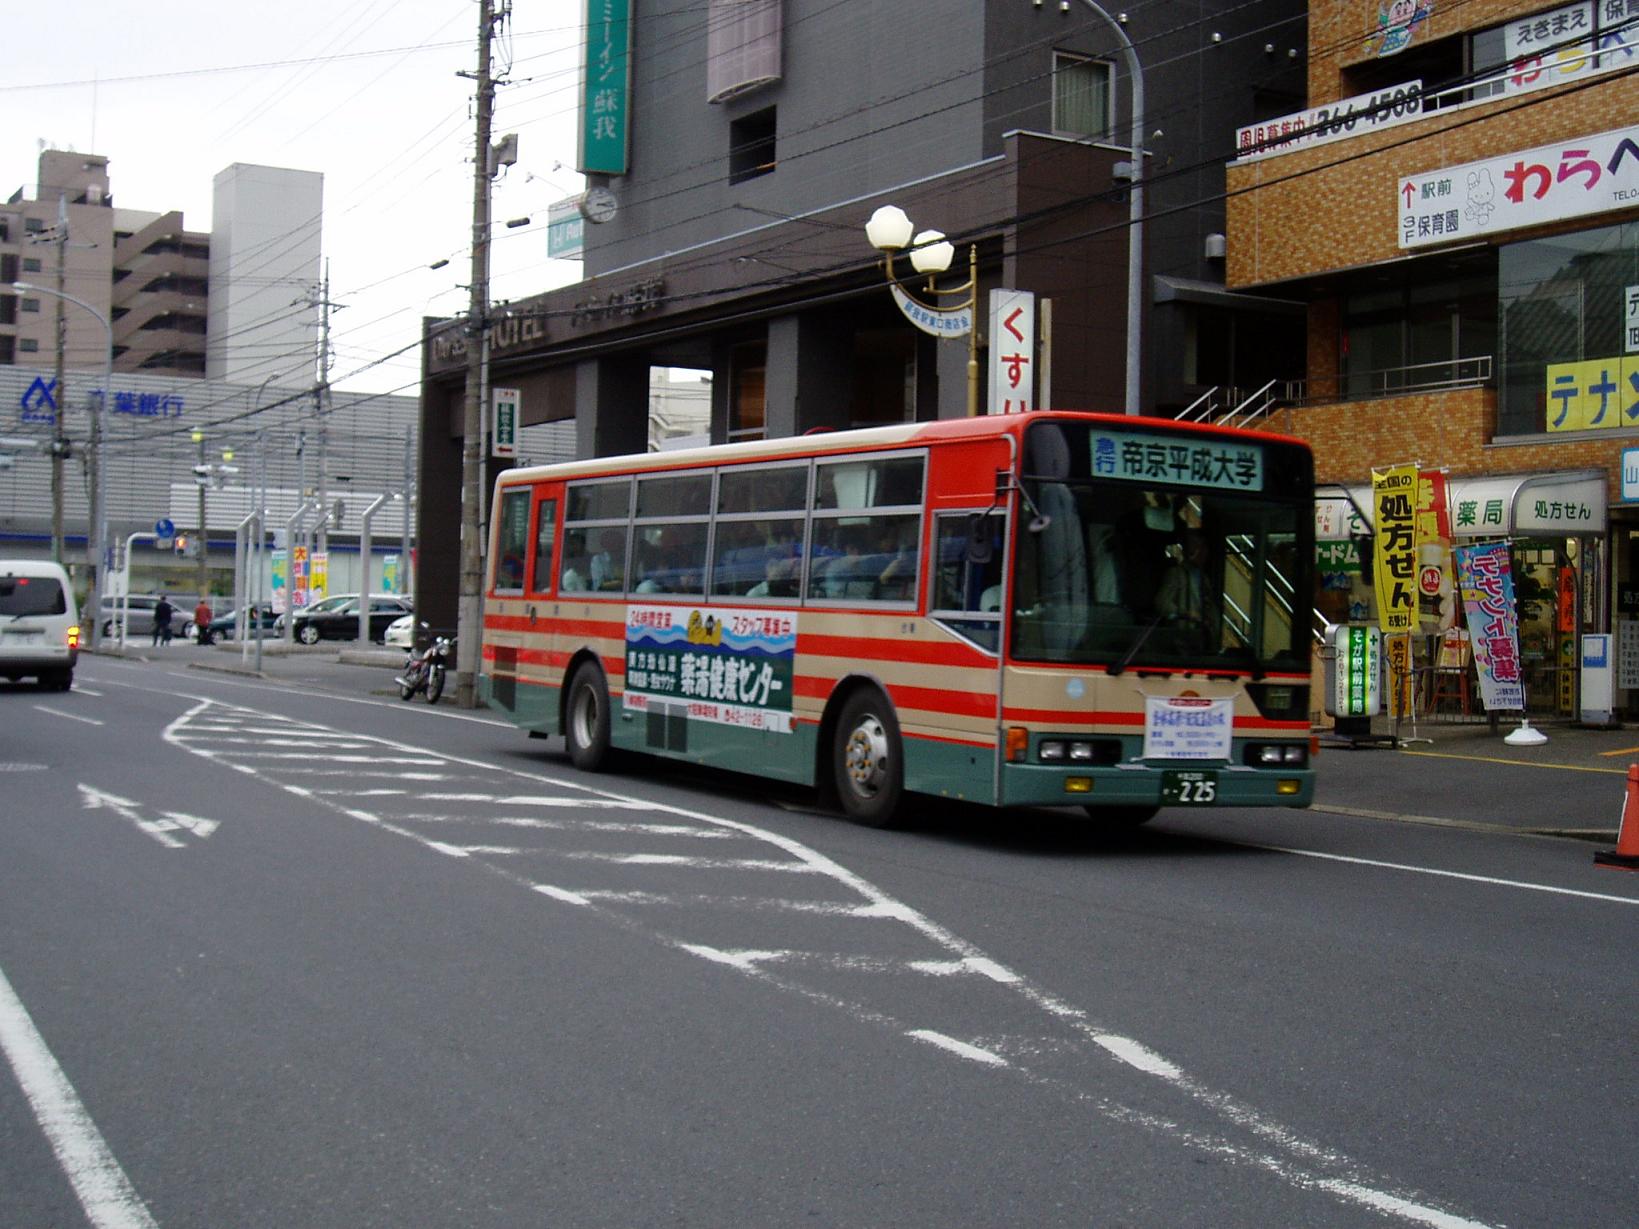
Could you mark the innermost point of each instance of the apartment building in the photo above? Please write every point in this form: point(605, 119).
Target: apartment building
point(732, 177)
point(1458, 211)
point(179, 301)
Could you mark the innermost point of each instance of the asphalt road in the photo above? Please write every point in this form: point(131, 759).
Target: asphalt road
point(287, 954)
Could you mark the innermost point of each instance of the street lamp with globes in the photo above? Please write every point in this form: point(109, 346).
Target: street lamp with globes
point(890, 232)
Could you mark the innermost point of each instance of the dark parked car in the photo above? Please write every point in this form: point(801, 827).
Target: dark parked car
point(225, 626)
point(337, 618)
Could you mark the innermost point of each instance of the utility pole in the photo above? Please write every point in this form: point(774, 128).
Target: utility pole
point(59, 439)
point(320, 297)
point(470, 612)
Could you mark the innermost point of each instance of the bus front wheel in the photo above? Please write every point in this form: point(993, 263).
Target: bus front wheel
point(587, 729)
point(867, 762)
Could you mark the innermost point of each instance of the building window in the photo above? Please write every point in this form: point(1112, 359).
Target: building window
point(33, 226)
point(751, 146)
point(747, 398)
point(31, 264)
point(1564, 331)
point(8, 354)
point(8, 269)
point(1427, 335)
point(1081, 96)
point(31, 305)
point(742, 47)
point(28, 345)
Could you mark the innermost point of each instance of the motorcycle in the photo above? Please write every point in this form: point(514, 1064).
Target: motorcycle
point(425, 671)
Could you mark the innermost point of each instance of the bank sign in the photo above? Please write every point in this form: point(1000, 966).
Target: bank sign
point(1570, 179)
point(38, 404)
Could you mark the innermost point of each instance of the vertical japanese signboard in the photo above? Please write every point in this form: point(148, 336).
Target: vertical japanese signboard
point(298, 577)
point(1394, 500)
point(606, 73)
point(1485, 576)
point(722, 666)
point(1356, 672)
point(1012, 351)
point(504, 423)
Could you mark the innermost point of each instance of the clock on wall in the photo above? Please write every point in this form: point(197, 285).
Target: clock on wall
point(598, 205)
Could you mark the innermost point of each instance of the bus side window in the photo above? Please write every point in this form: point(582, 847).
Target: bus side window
point(540, 559)
point(512, 540)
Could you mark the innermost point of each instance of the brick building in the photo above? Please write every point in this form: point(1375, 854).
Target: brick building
point(1458, 211)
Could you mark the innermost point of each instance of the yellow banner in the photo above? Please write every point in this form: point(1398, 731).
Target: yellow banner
point(1394, 546)
point(1595, 394)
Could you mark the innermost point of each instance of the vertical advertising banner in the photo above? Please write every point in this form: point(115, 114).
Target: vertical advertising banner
point(298, 577)
point(318, 576)
point(1394, 499)
point(279, 563)
point(389, 574)
point(1486, 579)
point(1436, 578)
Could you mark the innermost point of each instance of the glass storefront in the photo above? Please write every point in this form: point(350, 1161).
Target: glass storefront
point(1563, 300)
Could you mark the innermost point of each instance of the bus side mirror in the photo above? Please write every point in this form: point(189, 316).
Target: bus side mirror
point(980, 549)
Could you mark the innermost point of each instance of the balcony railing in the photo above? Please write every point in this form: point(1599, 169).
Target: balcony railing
point(1417, 378)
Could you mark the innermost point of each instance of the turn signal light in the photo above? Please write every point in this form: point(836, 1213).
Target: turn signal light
point(1018, 742)
point(74, 637)
point(1288, 787)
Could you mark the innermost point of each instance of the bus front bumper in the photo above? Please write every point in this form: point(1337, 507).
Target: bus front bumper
point(1157, 784)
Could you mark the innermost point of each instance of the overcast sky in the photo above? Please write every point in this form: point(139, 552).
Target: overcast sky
point(364, 91)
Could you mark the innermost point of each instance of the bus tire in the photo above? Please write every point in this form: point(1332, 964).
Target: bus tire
point(867, 760)
point(1123, 817)
point(586, 725)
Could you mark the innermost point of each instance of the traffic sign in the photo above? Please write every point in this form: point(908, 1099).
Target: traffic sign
point(504, 433)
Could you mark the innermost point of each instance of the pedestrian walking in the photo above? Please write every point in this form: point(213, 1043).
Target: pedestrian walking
point(162, 621)
point(202, 615)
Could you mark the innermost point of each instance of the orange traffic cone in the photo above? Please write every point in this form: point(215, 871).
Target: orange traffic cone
point(1626, 854)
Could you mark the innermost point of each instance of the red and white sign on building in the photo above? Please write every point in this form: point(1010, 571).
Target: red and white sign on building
point(1012, 351)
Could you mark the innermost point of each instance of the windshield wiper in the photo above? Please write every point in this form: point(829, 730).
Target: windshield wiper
point(1120, 667)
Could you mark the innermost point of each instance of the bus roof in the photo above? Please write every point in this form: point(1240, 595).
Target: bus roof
point(829, 443)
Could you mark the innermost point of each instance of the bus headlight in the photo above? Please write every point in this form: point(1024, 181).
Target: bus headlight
point(1050, 749)
point(1288, 754)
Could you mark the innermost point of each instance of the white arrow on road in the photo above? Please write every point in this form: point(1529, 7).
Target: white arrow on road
point(160, 829)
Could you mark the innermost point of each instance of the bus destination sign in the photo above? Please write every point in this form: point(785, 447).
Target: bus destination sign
point(1221, 464)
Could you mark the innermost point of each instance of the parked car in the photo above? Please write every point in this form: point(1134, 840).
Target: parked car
point(400, 633)
point(225, 626)
point(39, 623)
point(337, 617)
point(139, 616)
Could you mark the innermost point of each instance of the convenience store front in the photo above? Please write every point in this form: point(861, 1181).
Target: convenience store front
point(1557, 526)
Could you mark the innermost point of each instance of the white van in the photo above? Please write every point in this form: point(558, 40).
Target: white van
point(39, 623)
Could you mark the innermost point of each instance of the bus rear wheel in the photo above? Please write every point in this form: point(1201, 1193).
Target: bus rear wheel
point(868, 764)
point(586, 732)
point(1122, 817)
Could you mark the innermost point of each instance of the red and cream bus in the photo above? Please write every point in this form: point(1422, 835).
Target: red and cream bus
point(1023, 610)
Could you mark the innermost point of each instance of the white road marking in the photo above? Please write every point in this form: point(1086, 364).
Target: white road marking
point(86, 691)
point(106, 1194)
point(960, 1048)
point(1521, 884)
point(57, 712)
point(877, 905)
point(94, 799)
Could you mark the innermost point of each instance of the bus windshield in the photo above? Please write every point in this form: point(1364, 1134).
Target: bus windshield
point(1129, 573)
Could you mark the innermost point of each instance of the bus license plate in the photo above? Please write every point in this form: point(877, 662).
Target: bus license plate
point(1181, 788)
